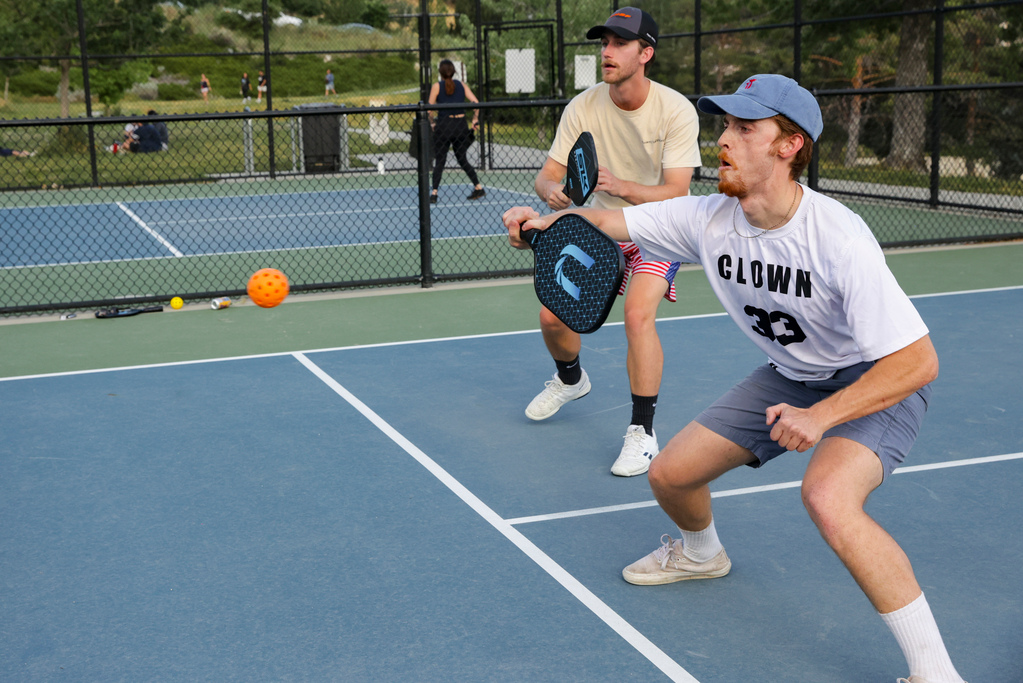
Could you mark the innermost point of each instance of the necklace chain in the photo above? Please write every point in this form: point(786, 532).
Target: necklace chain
point(763, 231)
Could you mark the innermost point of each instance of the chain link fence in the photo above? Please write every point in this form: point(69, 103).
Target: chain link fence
point(128, 185)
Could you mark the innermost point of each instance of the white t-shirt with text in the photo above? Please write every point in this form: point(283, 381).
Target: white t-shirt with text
point(815, 294)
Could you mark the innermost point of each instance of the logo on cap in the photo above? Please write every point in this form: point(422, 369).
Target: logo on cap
point(749, 83)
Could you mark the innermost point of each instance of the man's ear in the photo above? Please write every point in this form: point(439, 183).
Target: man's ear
point(646, 54)
point(788, 147)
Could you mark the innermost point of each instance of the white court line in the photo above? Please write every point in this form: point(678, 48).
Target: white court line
point(620, 626)
point(753, 489)
point(159, 238)
point(435, 339)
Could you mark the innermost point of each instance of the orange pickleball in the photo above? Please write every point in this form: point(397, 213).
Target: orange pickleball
point(268, 287)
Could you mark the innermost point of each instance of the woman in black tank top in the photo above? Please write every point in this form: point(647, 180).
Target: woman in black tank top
point(450, 128)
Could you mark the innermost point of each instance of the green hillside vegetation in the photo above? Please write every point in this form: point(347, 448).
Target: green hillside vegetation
point(171, 84)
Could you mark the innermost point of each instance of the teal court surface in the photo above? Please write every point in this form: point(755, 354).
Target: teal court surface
point(346, 489)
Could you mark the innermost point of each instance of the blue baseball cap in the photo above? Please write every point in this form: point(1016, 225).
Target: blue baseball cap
point(764, 95)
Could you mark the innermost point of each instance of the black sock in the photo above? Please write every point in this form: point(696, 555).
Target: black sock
point(570, 372)
point(643, 408)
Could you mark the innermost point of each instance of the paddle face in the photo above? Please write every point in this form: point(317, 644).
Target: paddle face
point(581, 177)
point(578, 270)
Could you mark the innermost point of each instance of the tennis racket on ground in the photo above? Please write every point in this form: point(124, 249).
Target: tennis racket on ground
point(582, 173)
point(125, 312)
point(578, 270)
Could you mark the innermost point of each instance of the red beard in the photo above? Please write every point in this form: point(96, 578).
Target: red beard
point(731, 186)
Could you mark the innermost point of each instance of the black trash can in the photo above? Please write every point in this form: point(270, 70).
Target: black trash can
point(324, 139)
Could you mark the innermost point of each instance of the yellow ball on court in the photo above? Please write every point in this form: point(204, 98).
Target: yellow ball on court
point(177, 303)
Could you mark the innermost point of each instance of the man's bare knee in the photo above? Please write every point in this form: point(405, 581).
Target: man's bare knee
point(829, 507)
point(640, 318)
point(549, 321)
point(667, 472)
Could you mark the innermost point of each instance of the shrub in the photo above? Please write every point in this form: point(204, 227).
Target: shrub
point(36, 82)
point(66, 141)
point(175, 91)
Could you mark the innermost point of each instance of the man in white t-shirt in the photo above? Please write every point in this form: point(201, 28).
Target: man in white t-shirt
point(646, 136)
point(850, 359)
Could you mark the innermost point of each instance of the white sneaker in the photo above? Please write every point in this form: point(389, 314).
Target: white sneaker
point(556, 394)
point(667, 564)
point(639, 449)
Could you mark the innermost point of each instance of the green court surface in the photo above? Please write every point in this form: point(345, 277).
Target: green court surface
point(46, 344)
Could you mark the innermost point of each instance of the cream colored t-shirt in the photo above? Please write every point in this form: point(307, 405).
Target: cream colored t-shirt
point(634, 145)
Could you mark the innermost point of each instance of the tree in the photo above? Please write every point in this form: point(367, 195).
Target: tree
point(844, 56)
point(909, 127)
point(343, 11)
point(109, 84)
point(376, 14)
point(50, 28)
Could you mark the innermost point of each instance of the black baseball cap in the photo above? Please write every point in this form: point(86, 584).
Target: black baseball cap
point(630, 23)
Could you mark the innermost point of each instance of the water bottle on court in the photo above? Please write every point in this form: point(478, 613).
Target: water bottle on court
point(380, 166)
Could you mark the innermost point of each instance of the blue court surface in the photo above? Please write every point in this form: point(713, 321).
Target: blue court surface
point(81, 233)
point(388, 513)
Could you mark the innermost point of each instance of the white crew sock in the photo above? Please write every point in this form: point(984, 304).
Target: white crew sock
point(917, 633)
point(701, 546)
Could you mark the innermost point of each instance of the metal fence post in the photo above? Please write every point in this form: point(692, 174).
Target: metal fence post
point(269, 87)
point(939, 55)
point(814, 171)
point(250, 165)
point(797, 40)
point(697, 65)
point(88, 91)
point(425, 226)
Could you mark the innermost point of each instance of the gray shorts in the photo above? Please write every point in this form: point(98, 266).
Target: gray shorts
point(740, 415)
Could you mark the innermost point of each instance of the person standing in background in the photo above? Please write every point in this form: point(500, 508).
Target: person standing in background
point(262, 86)
point(204, 87)
point(450, 129)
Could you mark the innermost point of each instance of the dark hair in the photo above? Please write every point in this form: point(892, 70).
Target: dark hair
point(447, 72)
point(805, 154)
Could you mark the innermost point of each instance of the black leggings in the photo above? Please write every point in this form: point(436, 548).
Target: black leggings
point(451, 132)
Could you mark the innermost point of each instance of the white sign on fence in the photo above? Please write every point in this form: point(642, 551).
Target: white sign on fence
point(520, 71)
point(585, 71)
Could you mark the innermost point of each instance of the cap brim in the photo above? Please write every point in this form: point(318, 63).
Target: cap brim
point(736, 105)
point(597, 32)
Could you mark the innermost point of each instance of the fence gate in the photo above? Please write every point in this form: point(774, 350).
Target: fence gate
point(519, 62)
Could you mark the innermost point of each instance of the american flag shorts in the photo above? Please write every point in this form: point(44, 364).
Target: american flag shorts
point(634, 263)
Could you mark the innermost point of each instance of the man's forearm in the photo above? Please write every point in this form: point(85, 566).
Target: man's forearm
point(891, 380)
point(543, 186)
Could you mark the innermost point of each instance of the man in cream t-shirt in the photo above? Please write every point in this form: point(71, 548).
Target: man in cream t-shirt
point(646, 136)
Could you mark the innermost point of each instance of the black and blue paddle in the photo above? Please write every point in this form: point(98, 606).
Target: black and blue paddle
point(581, 177)
point(126, 312)
point(577, 271)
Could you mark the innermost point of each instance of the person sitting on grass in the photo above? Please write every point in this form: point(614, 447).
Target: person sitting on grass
point(146, 139)
point(161, 129)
